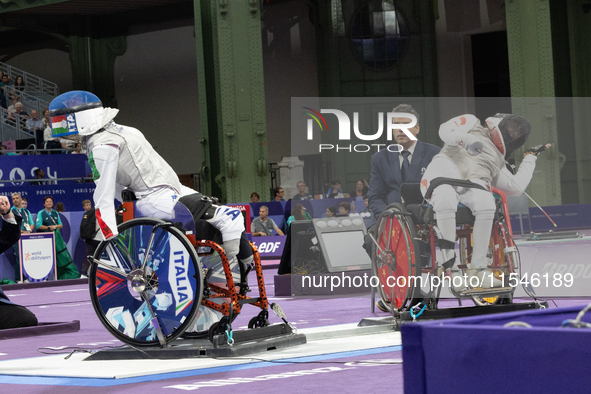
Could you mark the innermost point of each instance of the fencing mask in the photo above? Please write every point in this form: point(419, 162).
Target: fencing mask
point(508, 131)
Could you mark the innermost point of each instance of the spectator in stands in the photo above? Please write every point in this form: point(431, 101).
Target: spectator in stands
point(366, 202)
point(19, 84)
point(5, 83)
point(60, 207)
point(344, 209)
point(40, 174)
point(331, 212)
point(335, 190)
point(48, 219)
point(19, 117)
point(5, 152)
point(50, 141)
point(46, 120)
point(15, 99)
point(361, 189)
point(27, 227)
point(298, 213)
point(34, 124)
point(2, 95)
point(254, 197)
point(77, 149)
point(278, 193)
point(302, 195)
point(263, 226)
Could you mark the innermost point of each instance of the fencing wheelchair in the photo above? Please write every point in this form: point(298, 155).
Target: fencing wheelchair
point(158, 280)
point(405, 253)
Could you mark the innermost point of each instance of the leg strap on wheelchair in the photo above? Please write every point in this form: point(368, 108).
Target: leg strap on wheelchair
point(201, 207)
point(447, 245)
point(451, 181)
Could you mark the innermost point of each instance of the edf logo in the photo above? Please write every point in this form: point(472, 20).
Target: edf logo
point(268, 247)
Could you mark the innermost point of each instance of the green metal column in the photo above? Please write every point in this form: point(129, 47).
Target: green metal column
point(529, 38)
point(92, 53)
point(232, 98)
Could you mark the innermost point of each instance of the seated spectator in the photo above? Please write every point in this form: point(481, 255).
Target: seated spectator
point(298, 213)
point(77, 149)
point(366, 209)
point(40, 174)
point(4, 83)
point(51, 142)
point(34, 124)
point(5, 152)
point(344, 209)
point(46, 120)
point(19, 117)
point(361, 189)
point(335, 190)
point(302, 195)
point(263, 226)
point(19, 84)
point(254, 197)
point(331, 212)
point(15, 99)
point(278, 193)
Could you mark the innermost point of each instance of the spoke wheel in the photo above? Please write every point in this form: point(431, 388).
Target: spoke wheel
point(127, 298)
point(394, 260)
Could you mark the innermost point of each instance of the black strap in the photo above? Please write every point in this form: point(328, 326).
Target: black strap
point(445, 244)
point(453, 182)
point(449, 263)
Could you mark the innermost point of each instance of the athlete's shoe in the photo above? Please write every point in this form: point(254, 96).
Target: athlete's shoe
point(384, 306)
point(458, 281)
point(486, 279)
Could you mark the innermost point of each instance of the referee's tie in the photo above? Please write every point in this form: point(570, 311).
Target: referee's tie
point(405, 165)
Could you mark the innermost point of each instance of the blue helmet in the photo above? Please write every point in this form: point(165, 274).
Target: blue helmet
point(76, 112)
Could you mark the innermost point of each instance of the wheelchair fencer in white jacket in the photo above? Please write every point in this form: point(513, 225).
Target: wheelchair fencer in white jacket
point(121, 158)
point(477, 153)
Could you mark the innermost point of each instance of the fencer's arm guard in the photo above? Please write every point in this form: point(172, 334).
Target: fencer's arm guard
point(455, 131)
point(104, 162)
point(515, 185)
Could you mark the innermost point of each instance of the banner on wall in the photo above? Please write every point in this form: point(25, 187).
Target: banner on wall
point(18, 168)
point(37, 257)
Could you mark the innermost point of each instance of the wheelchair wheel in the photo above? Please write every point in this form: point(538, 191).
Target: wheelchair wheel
point(394, 260)
point(150, 306)
point(213, 269)
point(503, 261)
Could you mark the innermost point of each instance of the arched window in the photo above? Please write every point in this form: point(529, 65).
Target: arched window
point(379, 35)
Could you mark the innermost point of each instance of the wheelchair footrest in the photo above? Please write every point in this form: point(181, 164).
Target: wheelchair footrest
point(486, 292)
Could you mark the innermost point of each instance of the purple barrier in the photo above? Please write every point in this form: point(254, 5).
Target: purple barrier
point(479, 354)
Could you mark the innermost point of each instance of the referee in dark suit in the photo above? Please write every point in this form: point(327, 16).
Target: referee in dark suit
point(389, 170)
